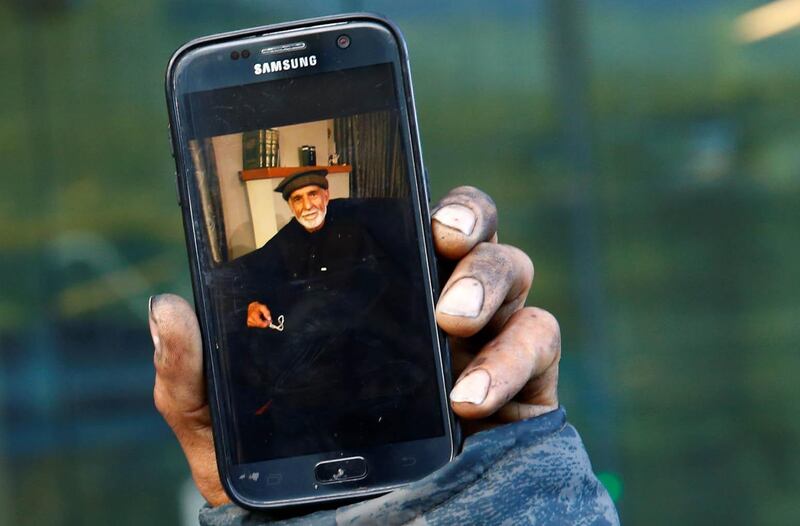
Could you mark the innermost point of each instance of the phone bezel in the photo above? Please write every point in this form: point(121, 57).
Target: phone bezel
point(445, 446)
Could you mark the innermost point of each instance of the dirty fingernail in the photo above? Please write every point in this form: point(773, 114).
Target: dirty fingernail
point(463, 298)
point(473, 388)
point(456, 216)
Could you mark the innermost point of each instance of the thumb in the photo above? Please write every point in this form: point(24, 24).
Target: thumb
point(179, 392)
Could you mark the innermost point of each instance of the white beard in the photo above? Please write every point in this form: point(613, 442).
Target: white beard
point(313, 222)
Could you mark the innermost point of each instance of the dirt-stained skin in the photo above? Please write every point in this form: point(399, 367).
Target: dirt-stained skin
point(454, 244)
point(517, 347)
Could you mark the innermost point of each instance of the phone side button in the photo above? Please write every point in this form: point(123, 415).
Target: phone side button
point(340, 470)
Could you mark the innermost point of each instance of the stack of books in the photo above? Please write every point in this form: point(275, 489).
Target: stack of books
point(260, 149)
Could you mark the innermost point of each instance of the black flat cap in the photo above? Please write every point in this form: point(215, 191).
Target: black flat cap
point(314, 176)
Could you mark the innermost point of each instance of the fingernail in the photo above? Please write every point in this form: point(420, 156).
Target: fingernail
point(456, 216)
point(152, 322)
point(463, 298)
point(473, 388)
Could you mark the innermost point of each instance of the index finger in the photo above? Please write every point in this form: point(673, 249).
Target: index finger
point(463, 218)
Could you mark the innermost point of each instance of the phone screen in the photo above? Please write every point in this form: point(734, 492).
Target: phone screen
point(311, 256)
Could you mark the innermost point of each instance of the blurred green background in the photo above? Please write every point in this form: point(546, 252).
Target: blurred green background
point(645, 153)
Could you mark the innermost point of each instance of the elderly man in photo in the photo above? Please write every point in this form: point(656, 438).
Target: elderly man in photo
point(307, 195)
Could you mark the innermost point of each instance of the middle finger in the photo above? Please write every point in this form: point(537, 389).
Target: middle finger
point(487, 286)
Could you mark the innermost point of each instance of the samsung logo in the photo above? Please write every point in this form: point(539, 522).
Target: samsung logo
point(286, 64)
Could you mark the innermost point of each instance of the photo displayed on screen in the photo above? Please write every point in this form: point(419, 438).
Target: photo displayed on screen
point(313, 263)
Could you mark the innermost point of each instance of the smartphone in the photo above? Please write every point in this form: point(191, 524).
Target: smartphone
point(305, 207)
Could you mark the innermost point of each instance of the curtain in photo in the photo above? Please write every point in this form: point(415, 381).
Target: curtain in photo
point(208, 184)
point(371, 144)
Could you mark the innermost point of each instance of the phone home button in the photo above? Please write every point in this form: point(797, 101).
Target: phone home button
point(340, 470)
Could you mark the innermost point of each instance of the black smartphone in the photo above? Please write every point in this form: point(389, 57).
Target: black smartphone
point(305, 206)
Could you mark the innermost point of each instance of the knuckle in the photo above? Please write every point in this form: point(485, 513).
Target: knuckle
point(550, 326)
point(492, 258)
point(540, 319)
point(547, 319)
point(496, 263)
point(520, 259)
point(526, 262)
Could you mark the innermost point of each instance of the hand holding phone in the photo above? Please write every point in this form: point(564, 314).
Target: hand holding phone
point(519, 360)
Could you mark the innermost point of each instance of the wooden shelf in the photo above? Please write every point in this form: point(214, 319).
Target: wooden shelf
point(275, 172)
